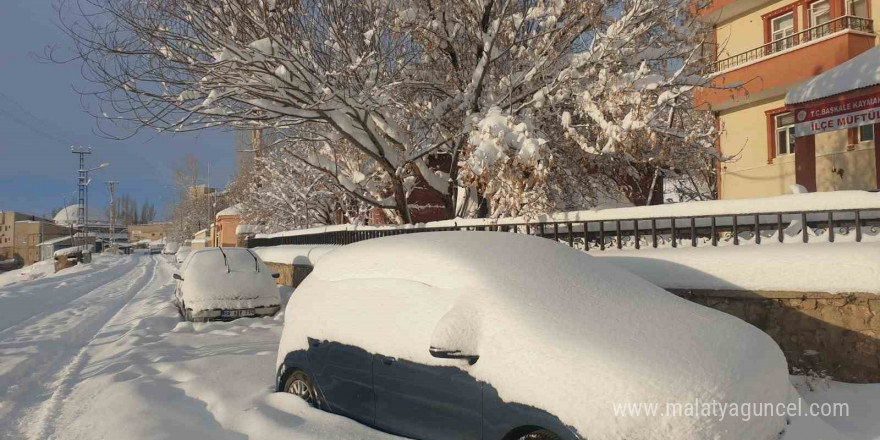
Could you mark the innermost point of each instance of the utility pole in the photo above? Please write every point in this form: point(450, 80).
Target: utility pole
point(112, 186)
point(82, 186)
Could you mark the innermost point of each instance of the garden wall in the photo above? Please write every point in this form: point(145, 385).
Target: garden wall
point(837, 335)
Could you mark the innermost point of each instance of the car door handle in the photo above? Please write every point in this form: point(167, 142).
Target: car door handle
point(388, 360)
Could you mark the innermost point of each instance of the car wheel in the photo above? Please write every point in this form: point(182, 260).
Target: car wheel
point(540, 435)
point(300, 384)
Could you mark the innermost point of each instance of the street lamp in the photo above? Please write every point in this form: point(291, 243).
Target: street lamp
point(85, 226)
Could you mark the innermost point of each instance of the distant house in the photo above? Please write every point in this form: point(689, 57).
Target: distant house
point(151, 231)
point(21, 235)
point(225, 224)
point(201, 239)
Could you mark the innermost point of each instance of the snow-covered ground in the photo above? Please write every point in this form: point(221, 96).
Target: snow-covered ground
point(98, 352)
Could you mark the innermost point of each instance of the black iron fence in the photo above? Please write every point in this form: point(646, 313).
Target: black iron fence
point(851, 225)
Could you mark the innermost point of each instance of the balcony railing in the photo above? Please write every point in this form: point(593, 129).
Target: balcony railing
point(811, 34)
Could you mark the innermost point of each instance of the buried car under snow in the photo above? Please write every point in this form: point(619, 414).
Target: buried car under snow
point(498, 336)
point(225, 283)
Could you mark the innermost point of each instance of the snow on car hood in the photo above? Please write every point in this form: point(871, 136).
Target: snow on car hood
point(555, 329)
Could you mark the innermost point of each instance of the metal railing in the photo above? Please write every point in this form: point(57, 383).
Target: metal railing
point(816, 32)
point(685, 231)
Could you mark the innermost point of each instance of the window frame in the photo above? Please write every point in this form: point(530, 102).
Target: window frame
point(773, 31)
point(847, 8)
point(859, 133)
point(789, 134)
point(811, 17)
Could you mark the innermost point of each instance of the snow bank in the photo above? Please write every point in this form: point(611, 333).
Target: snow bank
point(293, 254)
point(238, 281)
point(554, 328)
point(815, 267)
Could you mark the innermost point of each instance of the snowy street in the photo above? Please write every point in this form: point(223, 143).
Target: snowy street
point(99, 350)
point(90, 352)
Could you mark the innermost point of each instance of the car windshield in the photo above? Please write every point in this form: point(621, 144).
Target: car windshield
point(239, 260)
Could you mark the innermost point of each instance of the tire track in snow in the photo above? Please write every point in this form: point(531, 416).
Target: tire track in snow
point(58, 354)
point(79, 290)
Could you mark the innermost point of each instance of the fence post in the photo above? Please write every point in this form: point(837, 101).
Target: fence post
point(570, 235)
point(586, 238)
point(757, 229)
point(735, 231)
point(858, 227)
point(617, 232)
point(804, 227)
point(831, 226)
point(636, 231)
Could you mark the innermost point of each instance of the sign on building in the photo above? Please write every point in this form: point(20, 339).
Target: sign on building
point(837, 115)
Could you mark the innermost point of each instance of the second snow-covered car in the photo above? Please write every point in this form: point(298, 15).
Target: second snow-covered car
point(499, 336)
point(225, 284)
point(182, 253)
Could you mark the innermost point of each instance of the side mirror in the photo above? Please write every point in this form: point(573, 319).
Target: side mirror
point(457, 335)
point(276, 275)
point(177, 277)
point(446, 354)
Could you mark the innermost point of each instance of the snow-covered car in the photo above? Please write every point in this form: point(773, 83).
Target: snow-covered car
point(498, 336)
point(182, 253)
point(224, 284)
point(171, 248)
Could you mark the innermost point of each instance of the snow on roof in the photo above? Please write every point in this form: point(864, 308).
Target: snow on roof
point(859, 72)
point(293, 254)
point(813, 267)
point(70, 215)
point(247, 229)
point(550, 310)
point(71, 250)
point(232, 210)
point(55, 240)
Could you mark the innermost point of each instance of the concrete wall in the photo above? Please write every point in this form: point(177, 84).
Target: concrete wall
point(834, 335)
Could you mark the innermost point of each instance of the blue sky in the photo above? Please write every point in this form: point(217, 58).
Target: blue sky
point(41, 116)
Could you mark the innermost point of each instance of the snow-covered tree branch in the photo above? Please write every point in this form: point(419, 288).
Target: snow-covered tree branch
point(399, 102)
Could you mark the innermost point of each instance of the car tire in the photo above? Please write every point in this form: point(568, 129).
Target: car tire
point(540, 435)
point(301, 385)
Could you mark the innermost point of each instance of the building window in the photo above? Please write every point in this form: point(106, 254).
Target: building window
point(858, 8)
point(866, 133)
point(784, 124)
point(820, 13)
point(819, 16)
point(782, 28)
